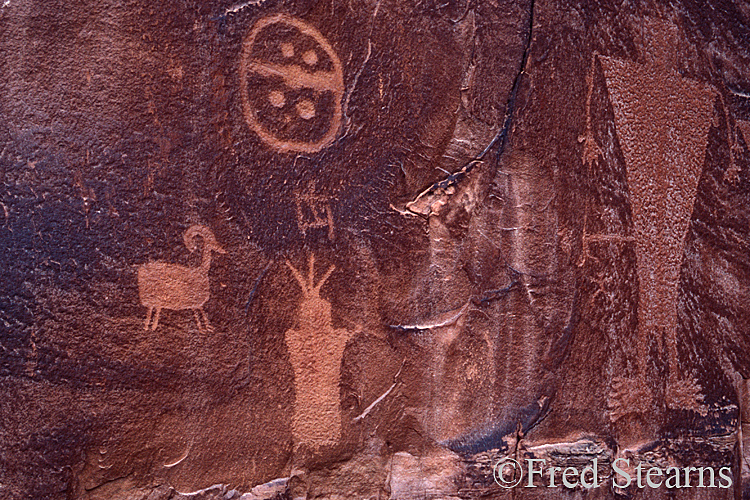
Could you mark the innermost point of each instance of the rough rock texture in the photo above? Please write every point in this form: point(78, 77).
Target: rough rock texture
point(371, 249)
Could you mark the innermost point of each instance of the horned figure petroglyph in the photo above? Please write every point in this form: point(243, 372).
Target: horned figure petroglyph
point(315, 352)
point(170, 286)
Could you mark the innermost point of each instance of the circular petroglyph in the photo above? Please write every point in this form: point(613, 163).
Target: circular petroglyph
point(306, 109)
point(292, 85)
point(277, 99)
point(310, 57)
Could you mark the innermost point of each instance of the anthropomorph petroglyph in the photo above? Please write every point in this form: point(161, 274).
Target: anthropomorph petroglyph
point(315, 352)
point(313, 211)
point(291, 85)
point(170, 286)
point(662, 122)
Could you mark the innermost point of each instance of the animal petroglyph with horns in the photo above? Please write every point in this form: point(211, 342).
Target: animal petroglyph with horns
point(162, 285)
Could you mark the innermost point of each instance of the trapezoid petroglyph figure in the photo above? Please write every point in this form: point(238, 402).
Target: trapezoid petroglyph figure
point(292, 85)
point(171, 286)
point(662, 122)
point(315, 351)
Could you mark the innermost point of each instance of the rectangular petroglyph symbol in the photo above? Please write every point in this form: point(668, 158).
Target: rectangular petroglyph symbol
point(313, 211)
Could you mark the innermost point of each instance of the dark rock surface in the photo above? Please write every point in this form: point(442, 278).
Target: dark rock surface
point(275, 250)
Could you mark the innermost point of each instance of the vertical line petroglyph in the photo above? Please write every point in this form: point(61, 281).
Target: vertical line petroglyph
point(527, 232)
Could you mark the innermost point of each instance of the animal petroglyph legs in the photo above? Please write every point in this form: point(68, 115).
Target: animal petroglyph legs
point(663, 140)
point(295, 77)
point(171, 286)
point(202, 320)
point(315, 351)
point(151, 313)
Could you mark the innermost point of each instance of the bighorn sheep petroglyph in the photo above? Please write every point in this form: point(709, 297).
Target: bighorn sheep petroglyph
point(170, 286)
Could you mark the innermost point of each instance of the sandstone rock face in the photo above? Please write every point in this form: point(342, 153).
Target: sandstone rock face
point(374, 249)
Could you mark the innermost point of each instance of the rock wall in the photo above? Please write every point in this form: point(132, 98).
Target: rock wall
point(374, 249)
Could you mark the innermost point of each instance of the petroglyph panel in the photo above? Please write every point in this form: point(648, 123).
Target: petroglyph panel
point(367, 249)
point(291, 85)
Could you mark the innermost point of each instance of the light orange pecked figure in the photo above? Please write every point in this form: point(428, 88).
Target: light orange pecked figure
point(315, 351)
point(162, 285)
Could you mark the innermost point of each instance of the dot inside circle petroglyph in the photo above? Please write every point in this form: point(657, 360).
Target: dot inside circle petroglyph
point(310, 57)
point(313, 85)
point(287, 50)
point(277, 99)
point(306, 109)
